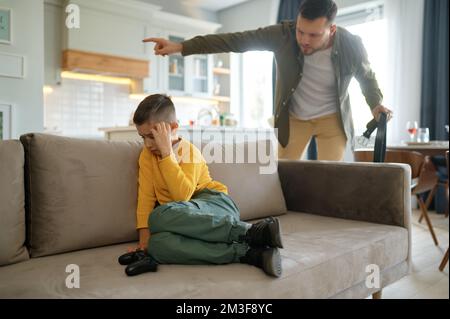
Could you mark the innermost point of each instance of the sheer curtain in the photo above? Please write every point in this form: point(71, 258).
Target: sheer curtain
point(404, 64)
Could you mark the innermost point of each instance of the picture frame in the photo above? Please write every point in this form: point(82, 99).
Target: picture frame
point(12, 65)
point(5, 121)
point(5, 25)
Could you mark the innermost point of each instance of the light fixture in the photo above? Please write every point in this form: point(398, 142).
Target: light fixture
point(47, 89)
point(95, 77)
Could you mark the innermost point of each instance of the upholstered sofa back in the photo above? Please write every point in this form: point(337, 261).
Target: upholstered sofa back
point(12, 209)
point(83, 193)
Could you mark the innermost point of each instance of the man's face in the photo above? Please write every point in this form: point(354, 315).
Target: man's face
point(145, 132)
point(314, 35)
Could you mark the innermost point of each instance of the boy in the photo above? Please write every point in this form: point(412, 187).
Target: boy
point(183, 216)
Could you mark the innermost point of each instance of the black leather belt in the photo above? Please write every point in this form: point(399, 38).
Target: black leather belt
point(379, 153)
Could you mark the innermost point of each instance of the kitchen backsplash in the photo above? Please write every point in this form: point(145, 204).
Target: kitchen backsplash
point(78, 108)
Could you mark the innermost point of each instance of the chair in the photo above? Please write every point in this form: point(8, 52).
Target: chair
point(445, 259)
point(441, 182)
point(423, 179)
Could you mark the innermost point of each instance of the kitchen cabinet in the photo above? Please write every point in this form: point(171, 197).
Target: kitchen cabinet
point(226, 83)
point(81, 61)
point(202, 74)
point(176, 71)
point(181, 76)
point(222, 81)
point(178, 75)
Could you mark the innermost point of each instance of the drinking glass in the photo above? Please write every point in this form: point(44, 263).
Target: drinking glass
point(412, 126)
point(423, 135)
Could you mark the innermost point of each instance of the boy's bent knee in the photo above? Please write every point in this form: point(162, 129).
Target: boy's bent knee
point(155, 218)
point(158, 244)
point(158, 239)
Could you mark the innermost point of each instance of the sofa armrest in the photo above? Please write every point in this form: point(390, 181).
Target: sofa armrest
point(377, 193)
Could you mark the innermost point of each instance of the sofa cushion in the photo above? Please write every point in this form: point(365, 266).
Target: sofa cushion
point(80, 193)
point(323, 257)
point(12, 203)
point(252, 182)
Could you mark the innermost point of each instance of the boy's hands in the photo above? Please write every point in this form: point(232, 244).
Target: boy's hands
point(144, 236)
point(162, 134)
point(164, 47)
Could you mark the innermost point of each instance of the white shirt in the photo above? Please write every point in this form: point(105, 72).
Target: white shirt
point(315, 95)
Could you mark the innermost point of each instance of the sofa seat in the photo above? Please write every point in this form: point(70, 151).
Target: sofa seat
point(318, 253)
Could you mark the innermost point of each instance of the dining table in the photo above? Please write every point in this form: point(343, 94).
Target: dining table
point(432, 148)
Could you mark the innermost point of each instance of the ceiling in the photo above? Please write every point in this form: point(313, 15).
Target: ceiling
point(213, 5)
point(208, 5)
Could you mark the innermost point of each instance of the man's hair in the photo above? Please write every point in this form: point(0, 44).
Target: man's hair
point(155, 108)
point(314, 9)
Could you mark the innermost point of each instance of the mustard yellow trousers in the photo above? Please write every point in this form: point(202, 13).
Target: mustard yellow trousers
point(330, 138)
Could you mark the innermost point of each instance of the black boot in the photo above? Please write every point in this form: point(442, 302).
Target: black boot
point(268, 259)
point(264, 233)
point(131, 257)
point(146, 264)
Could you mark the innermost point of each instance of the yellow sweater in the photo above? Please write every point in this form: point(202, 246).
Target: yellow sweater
point(173, 178)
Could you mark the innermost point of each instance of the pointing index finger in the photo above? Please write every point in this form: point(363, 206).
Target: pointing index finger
point(156, 40)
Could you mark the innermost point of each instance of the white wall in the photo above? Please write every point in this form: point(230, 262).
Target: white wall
point(25, 94)
point(53, 34)
point(248, 15)
point(184, 8)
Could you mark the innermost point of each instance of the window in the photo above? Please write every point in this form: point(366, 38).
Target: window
point(369, 24)
point(257, 97)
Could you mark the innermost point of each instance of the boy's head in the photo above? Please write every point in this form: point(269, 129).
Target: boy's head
point(156, 108)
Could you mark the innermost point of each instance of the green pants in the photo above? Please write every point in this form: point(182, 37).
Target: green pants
point(204, 230)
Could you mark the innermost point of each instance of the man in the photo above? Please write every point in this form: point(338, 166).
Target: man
point(315, 62)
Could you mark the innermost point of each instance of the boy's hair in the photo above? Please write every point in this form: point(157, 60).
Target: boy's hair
point(155, 108)
point(313, 9)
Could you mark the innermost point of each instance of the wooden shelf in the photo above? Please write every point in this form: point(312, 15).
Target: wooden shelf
point(221, 71)
point(82, 61)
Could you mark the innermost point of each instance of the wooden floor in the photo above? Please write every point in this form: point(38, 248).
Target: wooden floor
point(425, 280)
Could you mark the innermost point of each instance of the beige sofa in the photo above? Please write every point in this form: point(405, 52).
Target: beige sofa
point(67, 201)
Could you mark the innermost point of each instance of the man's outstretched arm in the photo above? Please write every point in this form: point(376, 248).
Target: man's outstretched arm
point(262, 39)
